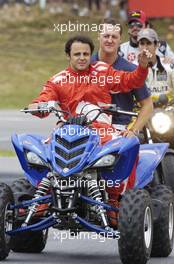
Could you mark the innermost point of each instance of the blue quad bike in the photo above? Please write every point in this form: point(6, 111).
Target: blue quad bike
point(63, 190)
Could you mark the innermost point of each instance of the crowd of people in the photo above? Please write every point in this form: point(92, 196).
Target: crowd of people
point(77, 7)
point(85, 8)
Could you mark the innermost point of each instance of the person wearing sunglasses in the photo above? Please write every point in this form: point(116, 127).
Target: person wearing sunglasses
point(129, 50)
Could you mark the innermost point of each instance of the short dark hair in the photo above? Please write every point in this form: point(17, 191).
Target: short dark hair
point(113, 22)
point(78, 38)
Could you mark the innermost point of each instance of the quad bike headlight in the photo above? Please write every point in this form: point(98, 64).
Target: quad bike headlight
point(105, 161)
point(161, 123)
point(34, 159)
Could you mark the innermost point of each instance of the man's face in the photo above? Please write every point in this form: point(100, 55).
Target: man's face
point(146, 44)
point(134, 27)
point(80, 56)
point(109, 39)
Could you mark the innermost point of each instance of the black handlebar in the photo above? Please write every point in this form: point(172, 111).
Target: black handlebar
point(118, 110)
point(80, 119)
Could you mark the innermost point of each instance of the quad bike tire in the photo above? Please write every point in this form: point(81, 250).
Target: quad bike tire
point(6, 198)
point(162, 244)
point(168, 170)
point(22, 190)
point(29, 241)
point(135, 224)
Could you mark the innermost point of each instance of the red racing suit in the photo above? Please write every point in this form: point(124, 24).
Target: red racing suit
point(93, 85)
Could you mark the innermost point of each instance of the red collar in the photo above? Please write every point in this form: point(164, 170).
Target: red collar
point(73, 72)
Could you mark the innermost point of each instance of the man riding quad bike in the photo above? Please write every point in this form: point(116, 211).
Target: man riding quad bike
point(63, 190)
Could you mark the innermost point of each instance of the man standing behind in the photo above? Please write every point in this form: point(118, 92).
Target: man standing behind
point(109, 39)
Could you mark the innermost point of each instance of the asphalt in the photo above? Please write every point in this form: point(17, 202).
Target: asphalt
point(14, 121)
point(10, 169)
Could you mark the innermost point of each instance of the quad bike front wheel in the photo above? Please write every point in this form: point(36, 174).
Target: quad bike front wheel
point(135, 224)
point(164, 224)
point(26, 242)
point(6, 219)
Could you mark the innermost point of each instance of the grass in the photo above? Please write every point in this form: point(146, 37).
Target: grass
point(31, 51)
point(7, 153)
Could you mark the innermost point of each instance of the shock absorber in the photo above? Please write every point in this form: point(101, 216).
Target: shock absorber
point(42, 190)
point(94, 191)
point(95, 194)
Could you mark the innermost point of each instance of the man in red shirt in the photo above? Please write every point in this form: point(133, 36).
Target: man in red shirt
point(87, 84)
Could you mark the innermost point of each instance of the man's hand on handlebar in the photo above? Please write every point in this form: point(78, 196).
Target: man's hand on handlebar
point(33, 106)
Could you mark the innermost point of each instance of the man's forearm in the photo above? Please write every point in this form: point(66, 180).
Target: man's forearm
point(144, 114)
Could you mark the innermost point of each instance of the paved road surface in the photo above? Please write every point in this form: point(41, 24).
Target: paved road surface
point(76, 251)
point(10, 169)
point(13, 121)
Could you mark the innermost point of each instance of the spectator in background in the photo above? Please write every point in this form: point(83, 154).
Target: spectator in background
point(160, 78)
point(96, 2)
point(109, 6)
point(56, 6)
point(129, 50)
point(100, 5)
point(75, 7)
point(123, 9)
point(89, 7)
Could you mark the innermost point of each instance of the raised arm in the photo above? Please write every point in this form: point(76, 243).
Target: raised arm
point(126, 81)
